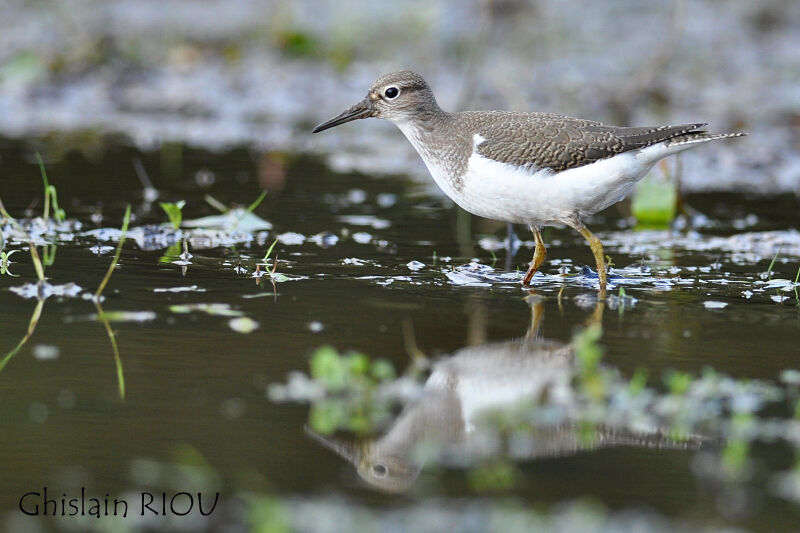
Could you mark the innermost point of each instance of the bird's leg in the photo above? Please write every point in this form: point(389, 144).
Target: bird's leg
point(538, 255)
point(536, 302)
point(597, 250)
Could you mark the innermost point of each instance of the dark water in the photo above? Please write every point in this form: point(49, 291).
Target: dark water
point(196, 416)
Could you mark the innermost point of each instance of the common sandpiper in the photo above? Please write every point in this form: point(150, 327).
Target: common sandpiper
point(525, 168)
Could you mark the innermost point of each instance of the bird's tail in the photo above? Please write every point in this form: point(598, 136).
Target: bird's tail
point(696, 137)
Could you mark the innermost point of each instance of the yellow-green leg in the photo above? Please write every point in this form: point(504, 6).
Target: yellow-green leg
point(539, 253)
point(597, 250)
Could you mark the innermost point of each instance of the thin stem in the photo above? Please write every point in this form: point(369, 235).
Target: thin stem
point(37, 262)
point(257, 202)
point(46, 183)
point(113, 338)
point(113, 264)
point(37, 312)
point(772, 263)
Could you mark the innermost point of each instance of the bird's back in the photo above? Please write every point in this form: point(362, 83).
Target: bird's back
point(557, 142)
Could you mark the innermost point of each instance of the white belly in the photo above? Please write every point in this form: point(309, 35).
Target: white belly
point(505, 192)
point(502, 191)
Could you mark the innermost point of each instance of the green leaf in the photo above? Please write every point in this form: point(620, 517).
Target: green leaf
point(174, 211)
point(638, 381)
point(327, 416)
point(587, 350)
point(678, 382)
point(327, 367)
point(258, 201)
point(382, 370)
point(655, 202)
point(357, 363)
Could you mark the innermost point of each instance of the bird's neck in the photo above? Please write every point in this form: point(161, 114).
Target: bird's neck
point(443, 148)
point(426, 129)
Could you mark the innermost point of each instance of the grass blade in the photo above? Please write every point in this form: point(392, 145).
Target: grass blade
point(113, 264)
point(46, 184)
point(113, 338)
point(37, 312)
point(37, 262)
point(257, 202)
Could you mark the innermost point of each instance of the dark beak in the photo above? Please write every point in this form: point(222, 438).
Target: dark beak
point(346, 450)
point(362, 109)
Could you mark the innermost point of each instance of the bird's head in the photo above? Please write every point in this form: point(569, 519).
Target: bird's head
point(399, 96)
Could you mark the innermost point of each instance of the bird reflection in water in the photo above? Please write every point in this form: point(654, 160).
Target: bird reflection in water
point(451, 423)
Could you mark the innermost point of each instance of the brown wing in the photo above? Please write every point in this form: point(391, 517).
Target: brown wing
point(559, 142)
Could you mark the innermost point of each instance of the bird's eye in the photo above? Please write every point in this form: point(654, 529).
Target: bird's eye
point(379, 469)
point(391, 92)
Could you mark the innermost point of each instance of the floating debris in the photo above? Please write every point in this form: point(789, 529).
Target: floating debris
point(712, 304)
point(46, 352)
point(324, 239)
point(237, 219)
point(101, 250)
point(243, 324)
point(291, 238)
point(190, 288)
point(215, 309)
point(362, 237)
point(386, 200)
point(415, 265)
point(747, 248)
point(128, 316)
point(44, 290)
point(365, 220)
point(478, 275)
point(354, 261)
point(356, 196)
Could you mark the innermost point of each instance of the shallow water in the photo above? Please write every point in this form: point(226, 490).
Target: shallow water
point(196, 416)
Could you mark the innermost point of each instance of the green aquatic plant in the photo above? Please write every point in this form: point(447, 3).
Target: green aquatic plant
point(231, 219)
point(655, 201)
point(49, 254)
point(336, 372)
point(349, 384)
point(638, 381)
point(38, 266)
point(50, 194)
point(274, 276)
point(593, 378)
point(6, 216)
point(174, 211)
point(772, 263)
point(125, 221)
point(267, 514)
point(4, 262)
point(796, 296)
point(37, 312)
point(269, 250)
point(32, 323)
point(257, 202)
point(677, 382)
point(587, 349)
point(498, 475)
point(101, 315)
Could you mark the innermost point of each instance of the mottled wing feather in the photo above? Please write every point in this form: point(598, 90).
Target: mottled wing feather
point(559, 142)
